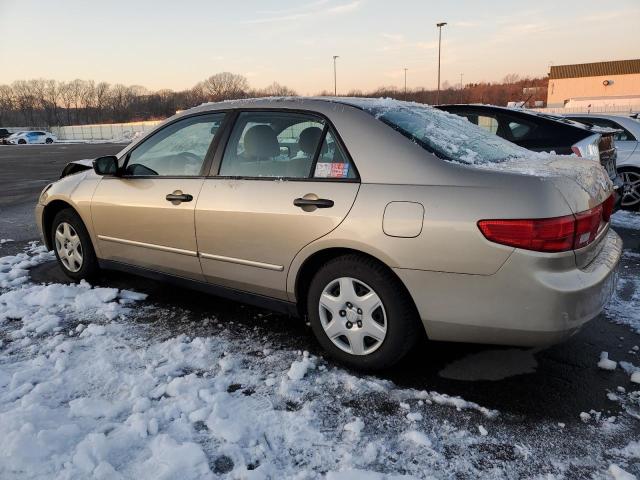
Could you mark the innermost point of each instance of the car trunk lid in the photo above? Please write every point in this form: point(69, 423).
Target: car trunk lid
point(583, 184)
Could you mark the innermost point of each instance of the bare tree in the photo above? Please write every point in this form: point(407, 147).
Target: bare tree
point(224, 86)
point(275, 90)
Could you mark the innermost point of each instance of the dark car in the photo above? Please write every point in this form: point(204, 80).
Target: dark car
point(4, 133)
point(542, 132)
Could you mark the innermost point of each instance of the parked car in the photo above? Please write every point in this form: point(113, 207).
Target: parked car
point(38, 136)
point(626, 137)
point(543, 132)
point(373, 219)
point(4, 133)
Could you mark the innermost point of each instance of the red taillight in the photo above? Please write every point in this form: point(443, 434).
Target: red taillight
point(587, 227)
point(577, 151)
point(607, 207)
point(559, 234)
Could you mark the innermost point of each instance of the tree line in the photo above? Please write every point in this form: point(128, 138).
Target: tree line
point(46, 103)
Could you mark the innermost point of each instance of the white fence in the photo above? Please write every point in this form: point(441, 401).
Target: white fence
point(610, 109)
point(106, 132)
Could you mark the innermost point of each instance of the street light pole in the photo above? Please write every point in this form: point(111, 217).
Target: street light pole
point(439, 25)
point(461, 87)
point(335, 77)
point(405, 83)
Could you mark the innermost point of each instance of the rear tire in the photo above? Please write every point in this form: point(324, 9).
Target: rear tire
point(361, 314)
point(631, 192)
point(72, 246)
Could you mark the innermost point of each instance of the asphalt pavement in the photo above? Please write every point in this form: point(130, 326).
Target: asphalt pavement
point(556, 383)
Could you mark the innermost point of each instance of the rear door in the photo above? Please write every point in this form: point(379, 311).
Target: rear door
point(283, 181)
point(145, 217)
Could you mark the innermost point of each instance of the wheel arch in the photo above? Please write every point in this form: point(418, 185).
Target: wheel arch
point(49, 213)
point(314, 261)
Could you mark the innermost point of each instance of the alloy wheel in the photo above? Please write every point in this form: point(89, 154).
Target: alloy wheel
point(631, 189)
point(68, 247)
point(353, 316)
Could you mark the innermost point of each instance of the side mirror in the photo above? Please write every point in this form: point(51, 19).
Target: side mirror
point(106, 165)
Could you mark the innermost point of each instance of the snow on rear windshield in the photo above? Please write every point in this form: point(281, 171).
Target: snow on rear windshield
point(449, 136)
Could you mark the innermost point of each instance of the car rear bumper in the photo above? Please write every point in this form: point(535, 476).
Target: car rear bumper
point(534, 299)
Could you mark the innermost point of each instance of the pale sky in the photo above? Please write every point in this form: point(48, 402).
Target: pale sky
point(174, 44)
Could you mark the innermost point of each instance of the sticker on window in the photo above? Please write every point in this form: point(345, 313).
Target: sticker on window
point(332, 170)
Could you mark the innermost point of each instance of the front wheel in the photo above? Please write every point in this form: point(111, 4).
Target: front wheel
point(72, 246)
point(361, 314)
point(631, 189)
point(22, 141)
point(49, 140)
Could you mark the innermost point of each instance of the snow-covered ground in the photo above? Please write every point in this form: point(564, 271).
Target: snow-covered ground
point(90, 387)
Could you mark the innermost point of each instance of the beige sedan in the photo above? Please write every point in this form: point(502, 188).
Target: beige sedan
point(372, 218)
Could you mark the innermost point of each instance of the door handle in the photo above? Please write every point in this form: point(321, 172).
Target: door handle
point(310, 202)
point(176, 197)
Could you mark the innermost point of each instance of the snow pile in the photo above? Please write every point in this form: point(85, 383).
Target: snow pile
point(14, 268)
point(605, 363)
point(624, 307)
point(618, 473)
point(624, 219)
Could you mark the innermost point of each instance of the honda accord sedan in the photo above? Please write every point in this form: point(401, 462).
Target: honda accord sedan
point(373, 219)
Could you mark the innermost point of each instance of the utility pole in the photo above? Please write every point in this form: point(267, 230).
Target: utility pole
point(335, 77)
point(461, 87)
point(405, 83)
point(439, 25)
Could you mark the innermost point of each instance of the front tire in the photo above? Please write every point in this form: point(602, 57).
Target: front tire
point(361, 314)
point(22, 141)
point(631, 189)
point(49, 140)
point(72, 246)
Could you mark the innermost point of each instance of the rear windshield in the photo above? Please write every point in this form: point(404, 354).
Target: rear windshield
point(448, 136)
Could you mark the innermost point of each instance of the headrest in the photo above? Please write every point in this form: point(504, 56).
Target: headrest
point(261, 141)
point(309, 139)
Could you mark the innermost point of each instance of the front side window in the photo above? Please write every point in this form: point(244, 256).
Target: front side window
point(278, 145)
point(177, 150)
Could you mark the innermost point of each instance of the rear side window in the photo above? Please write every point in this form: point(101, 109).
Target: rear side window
point(490, 124)
point(283, 145)
point(332, 161)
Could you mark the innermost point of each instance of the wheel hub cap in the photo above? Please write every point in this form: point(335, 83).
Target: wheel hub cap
point(353, 316)
point(631, 189)
point(68, 247)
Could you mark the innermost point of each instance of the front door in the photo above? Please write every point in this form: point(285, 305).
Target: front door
point(145, 216)
point(283, 182)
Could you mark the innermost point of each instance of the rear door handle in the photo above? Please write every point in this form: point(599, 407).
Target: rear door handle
point(176, 197)
point(309, 202)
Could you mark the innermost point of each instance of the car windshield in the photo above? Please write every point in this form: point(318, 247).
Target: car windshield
point(448, 136)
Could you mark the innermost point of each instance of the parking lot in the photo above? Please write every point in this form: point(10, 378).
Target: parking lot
point(546, 399)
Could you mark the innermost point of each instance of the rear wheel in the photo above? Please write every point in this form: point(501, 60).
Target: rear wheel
point(361, 314)
point(631, 189)
point(72, 246)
